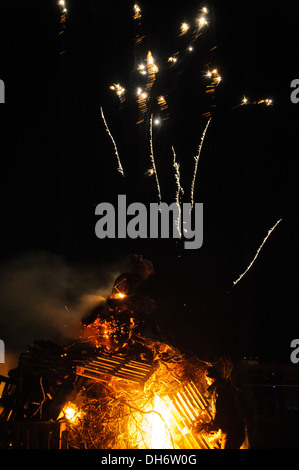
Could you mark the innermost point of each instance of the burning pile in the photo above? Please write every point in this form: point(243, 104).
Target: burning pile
point(120, 413)
point(118, 387)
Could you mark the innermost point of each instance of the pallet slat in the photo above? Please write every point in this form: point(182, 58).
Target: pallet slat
point(127, 369)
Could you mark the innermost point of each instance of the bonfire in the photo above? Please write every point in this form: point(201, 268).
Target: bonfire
point(119, 386)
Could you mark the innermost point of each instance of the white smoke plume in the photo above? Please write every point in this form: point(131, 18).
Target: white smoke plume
point(43, 297)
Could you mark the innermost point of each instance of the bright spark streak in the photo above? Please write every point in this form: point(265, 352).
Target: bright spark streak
point(142, 69)
point(196, 161)
point(120, 168)
point(215, 76)
point(184, 28)
point(151, 66)
point(137, 12)
point(202, 22)
point(119, 90)
point(258, 252)
point(178, 191)
point(162, 102)
point(152, 157)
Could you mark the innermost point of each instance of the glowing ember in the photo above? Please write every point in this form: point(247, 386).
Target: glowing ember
point(71, 412)
point(119, 295)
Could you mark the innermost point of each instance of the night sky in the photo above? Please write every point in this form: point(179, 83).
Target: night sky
point(58, 163)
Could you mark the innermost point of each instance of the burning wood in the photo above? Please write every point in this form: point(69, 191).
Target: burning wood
point(115, 387)
point(162, 412)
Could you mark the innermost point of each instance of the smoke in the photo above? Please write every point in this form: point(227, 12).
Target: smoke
point(43, 297)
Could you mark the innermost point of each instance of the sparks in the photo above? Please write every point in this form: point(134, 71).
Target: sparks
point(151, 66)
point(120, 168)
point(119, 90)
point(162, 102)
point(141, 69)
point(258, 252)
point(201, 22)
point(153, 159)
point(137, 12)
point(215, 77)
point(184, 28)
point(268, 102)
point(150, 172)
point(63, 16)
point(196, 161)
point(61, 3)
point(178, 191)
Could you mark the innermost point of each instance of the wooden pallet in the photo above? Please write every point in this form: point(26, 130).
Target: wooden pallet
point(31, 435)
point(115, 366)
point(186, 407)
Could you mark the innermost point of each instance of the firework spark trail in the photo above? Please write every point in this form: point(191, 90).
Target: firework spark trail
point(152, 157)
point(178, 191)
point(63, 17)
point(246, 101)
point(257, 253)
point(196, 162)
point(120, 168)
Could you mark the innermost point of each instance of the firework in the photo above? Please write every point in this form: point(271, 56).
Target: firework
point(119, 90)
point(172, 59)
point(153, 159)
point(196, 161)
point(201, 22)
point(214, 79)
point(63, 13)
point(184, 28)
point(62, 6)
point(162, 102)
point(142, 100)
point(137, 12)
point(246, 101)
point(120, 168)
point(178, 191)
point(147, 69)
point(266, 101)
point(257, 253)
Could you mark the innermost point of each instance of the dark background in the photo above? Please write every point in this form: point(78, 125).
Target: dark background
point(58, 163)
